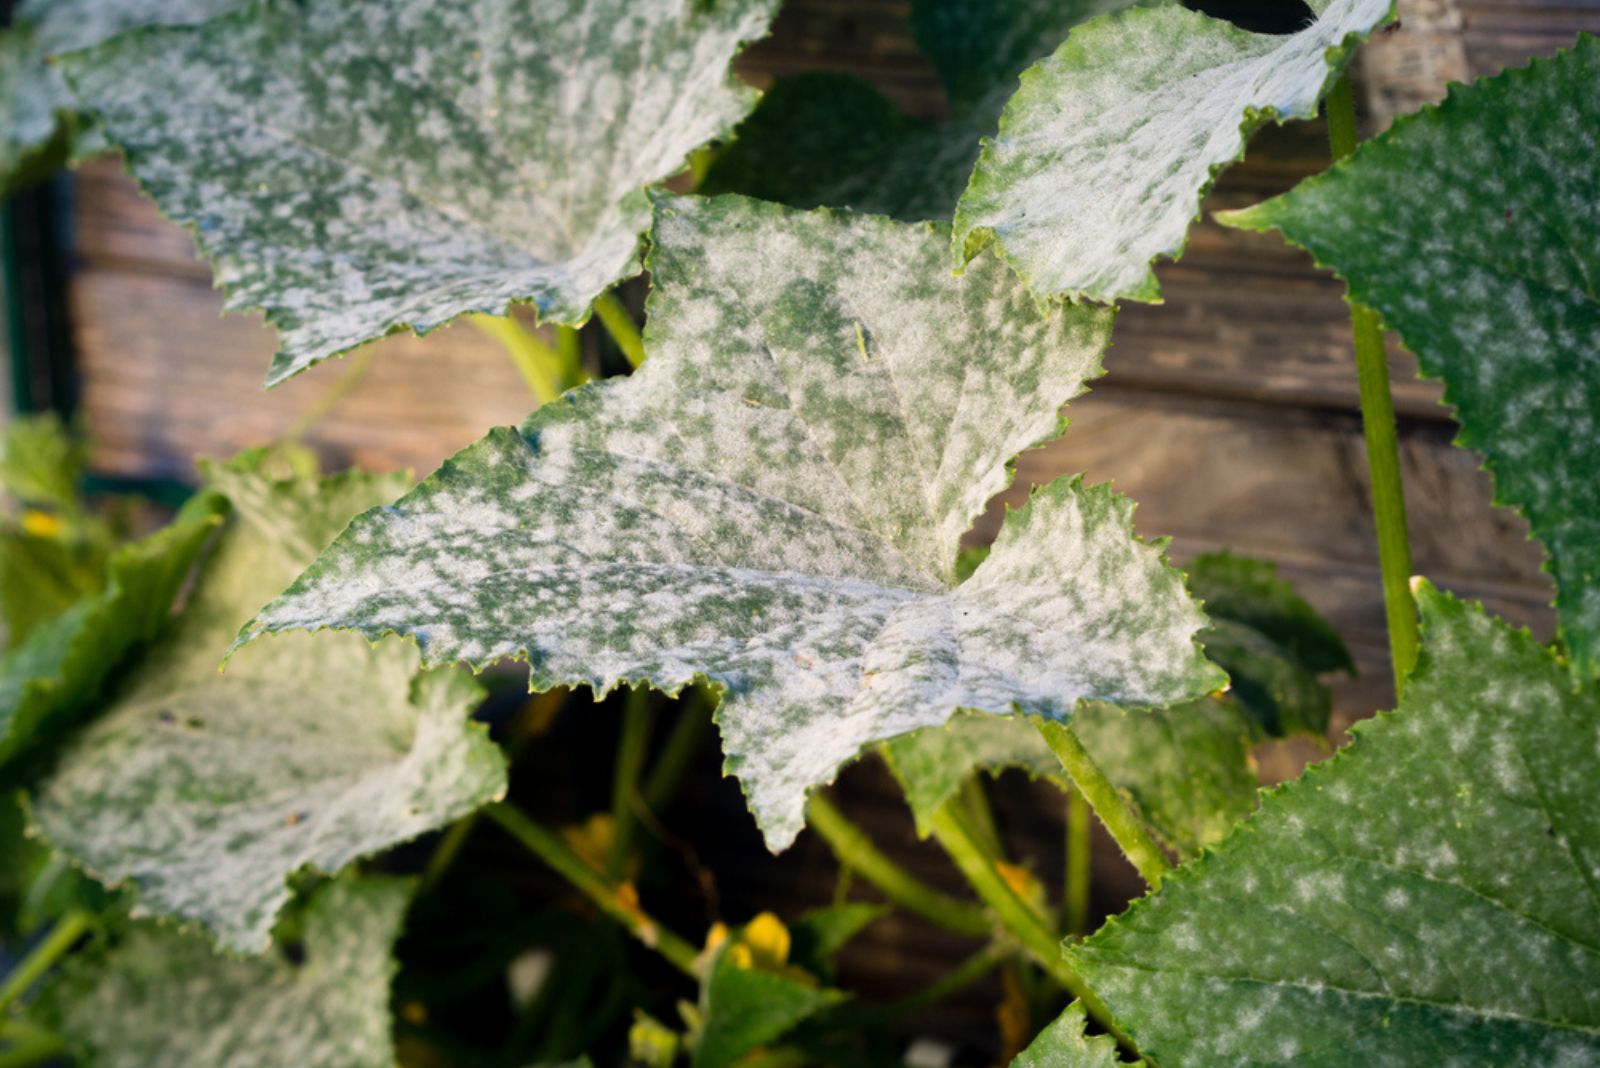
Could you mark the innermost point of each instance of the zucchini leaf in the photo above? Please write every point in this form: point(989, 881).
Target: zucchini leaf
point(775, 503)
point(1426, 896)
point(209, 790)
point(358, 169)
point(1109, 144)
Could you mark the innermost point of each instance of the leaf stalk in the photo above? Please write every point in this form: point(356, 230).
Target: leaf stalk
point(55, 945)
point(1378, 426)
point(549, 847)
point(1108, 803)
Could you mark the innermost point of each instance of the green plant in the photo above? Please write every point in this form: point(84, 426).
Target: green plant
point(768, 518)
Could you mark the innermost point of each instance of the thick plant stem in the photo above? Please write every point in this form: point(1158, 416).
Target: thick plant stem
point(636, 717)
point(620, 325)
point(951, 829)
point(1378, 424)
point(1108, 803)
point(62, 937)
point(855, 851)
point(982, 816)
point(617, 904)
point(537, 362)
point(1076, 891)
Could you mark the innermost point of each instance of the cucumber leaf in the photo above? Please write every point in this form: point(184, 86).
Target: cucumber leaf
point(752, 995)
point(162, 997)
point(1109, 144)
point(1064, 1045)
point(357, 170)
point(1472, 228)
point(1426, 896)
point(775, 503)
point(209, 790)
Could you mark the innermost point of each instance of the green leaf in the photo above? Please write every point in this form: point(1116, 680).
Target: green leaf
point(356, 171)
point(42, 577)
point(1185, 769)
point(41, 463)
point(1064, 1045)
point(821, 933)
point(1471, 228)
point(746, 1007)
point(209, 790)
point(1427, 896)
point(1272, 643)
point(774, 502)
point(822, 138)
point(1106, 149)
point(48, 681)
point(164, 998)
point(38, 121)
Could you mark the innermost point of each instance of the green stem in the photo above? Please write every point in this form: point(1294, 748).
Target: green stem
point(571, 354)
point(855, 851)
point(636, 716)
point(982, 816)
point(950, 827)
point(29, 1050)
point(1078, 865)
point(62, 937)
point(537, 362)
point(449, 847)
point(549, 848)
point(620, 325)
point(1378, 424)
point(694, 718)
point(1107, 802)
point(953, 982)
point(333, 396)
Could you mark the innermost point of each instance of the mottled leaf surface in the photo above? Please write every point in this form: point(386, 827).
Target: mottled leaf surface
point(1474, 229)
point(1109, 144)
point(208, 790)
point(50, 681)
point(824, 138)
point(159, 997)
point(357, 169)
point(36, 107)
point(1064, 1045)
point(1430, 895)
point(775, 502)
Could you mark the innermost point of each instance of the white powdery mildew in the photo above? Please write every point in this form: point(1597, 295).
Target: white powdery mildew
point(1392, 907)
point(208, 791)
point(775, 501)
point(161, 997)
point(1474, 228)
point(1105, 150)
point(355, 169)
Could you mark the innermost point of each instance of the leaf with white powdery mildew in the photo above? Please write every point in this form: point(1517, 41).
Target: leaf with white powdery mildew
point(1106, 149)
point(160, 998)
point(209, 790)
point(775, 502)
point(355, 169)
point(38, 124)
point(1474, 229)
point(1430, 895)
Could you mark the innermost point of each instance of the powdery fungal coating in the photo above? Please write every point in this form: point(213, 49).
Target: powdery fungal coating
point(1431, 895)
point(355, 169)
point(1107, 147)
point(208, 791)
point(1064, 1045)
point(1474, 228)
point(164, 998)
point(775, 501)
